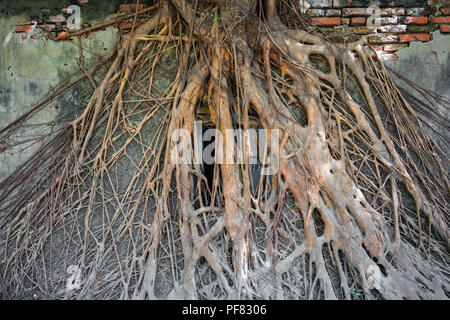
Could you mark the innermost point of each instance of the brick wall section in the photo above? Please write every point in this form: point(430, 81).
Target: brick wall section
point(55, 27)
point(401, 22)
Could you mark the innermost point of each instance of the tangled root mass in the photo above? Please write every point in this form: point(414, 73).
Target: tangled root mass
point(359, 203)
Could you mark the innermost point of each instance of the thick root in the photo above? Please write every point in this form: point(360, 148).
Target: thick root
point(348, 209)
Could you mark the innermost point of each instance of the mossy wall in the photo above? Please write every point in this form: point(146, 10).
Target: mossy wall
point(31, 67)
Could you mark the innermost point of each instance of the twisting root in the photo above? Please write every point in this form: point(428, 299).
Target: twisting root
point(359, 201)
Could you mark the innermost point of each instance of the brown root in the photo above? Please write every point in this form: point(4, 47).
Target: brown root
point(357, 194)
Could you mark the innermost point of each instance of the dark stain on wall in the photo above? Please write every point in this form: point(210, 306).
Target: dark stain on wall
point(5, 98)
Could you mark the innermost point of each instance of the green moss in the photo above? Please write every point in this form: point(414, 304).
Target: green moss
point(437, 7)
point(169, 59)
point(421, 29)
point(320, 63)
point(162, 84)
point(334, 31)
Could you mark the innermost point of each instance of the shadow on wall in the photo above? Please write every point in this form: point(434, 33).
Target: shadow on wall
point(428, 65)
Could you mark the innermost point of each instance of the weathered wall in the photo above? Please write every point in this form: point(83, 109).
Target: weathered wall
point(31, 64)
point(428, 65)
point(412, 39)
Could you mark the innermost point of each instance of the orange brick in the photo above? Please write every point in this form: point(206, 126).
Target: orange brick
point(445, 28)
point(377, 47)
point(354, 12)
point(383, 38)
point(130, 7)
point(414, 37)
point(362, 30)
point(326, 21)
point(417, 20)
point(24, 28)
point(63, 35)
point(440, 20)
point(445, 11)
point(358, 20)
point(394, 47)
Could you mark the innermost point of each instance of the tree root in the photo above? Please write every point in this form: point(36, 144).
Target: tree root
point(345, 212)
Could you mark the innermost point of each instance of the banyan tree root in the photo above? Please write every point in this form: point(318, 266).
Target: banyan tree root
point(357, 208)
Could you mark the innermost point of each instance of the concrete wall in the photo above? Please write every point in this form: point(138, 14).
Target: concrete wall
point(428, 65)
point(30, 67)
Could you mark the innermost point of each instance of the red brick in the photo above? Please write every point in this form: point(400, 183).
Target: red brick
point(333, 13)
point(24, 28)
point(326, 21)
point(445, 28)
point(354, 12)
point(362, 30)
point(394, 47)
point(445, 11)
point(440, 20)
point(383, 38)
point(358, 20)
point(130, 7)
point(315, 13)
point(58, 18)
point(394, 28)
point(377, 47)
point(417, 20)
point(388, 20)
point(388, 56)
point(393, 12)
point(415, 37)
point(435, 2)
